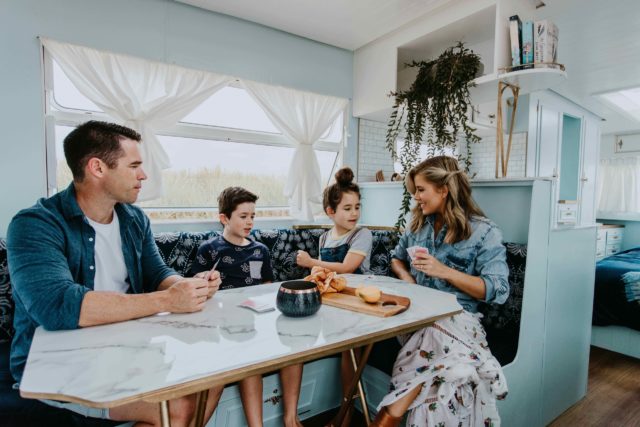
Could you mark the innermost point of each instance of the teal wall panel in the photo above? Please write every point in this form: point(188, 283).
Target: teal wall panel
point(506, 203)
point(569, 305)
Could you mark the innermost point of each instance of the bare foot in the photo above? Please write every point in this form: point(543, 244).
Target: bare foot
point(292, 422)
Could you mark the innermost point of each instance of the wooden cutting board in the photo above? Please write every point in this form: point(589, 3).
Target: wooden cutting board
point(389, 305)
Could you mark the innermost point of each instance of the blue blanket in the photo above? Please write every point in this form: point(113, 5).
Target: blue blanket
point(617, 290)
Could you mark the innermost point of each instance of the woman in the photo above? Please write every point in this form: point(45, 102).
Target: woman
point(445, 374)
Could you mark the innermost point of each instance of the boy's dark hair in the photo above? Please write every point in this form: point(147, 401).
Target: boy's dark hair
point(344, 184)
point(231, 197)
point(95, 139)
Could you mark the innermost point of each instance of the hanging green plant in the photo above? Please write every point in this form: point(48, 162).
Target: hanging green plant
point(433, 111)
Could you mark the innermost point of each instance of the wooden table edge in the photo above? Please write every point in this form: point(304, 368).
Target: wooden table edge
point(196, 385)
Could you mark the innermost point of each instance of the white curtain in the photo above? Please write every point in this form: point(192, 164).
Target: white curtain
point(302, 117)
point(140, 94)
point(618, 185)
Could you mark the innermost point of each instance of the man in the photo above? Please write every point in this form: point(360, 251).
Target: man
point(87, 257)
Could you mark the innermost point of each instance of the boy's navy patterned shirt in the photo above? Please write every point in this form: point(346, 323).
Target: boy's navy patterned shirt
point(239, 265)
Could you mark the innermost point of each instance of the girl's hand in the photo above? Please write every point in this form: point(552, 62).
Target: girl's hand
point(430, 266)
point(303, 259)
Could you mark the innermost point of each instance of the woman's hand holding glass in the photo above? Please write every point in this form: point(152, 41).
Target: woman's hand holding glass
point(430, 266)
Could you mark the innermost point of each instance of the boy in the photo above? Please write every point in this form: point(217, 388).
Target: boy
point(244, 262)
point(240, 261)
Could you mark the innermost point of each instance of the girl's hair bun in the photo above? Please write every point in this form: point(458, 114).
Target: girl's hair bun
point(344, 176)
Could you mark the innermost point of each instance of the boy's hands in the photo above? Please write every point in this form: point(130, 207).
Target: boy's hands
point(187, 295)
point(303, 259)
point(213, 281)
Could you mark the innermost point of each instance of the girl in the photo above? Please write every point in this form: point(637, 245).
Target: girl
point(445, 373)
point(345, 248)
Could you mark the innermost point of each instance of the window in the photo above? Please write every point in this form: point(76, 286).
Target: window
point(626, 101)
point(228, 140)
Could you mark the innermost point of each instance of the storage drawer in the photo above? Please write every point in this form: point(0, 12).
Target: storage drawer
point(614, 235)
point(600, 253)
point(600, 245)
point(613, 249)
point(602, 235)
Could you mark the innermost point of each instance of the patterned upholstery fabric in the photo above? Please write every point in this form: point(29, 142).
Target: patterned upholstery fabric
point(506, 317)
point(178, 250)
point(283, 245)
point(383, 244)
point(6, 302)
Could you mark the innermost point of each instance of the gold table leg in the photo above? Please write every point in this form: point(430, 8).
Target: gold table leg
point(165, 421)
point(363, 397)
point(337, 421)
point(201, 405)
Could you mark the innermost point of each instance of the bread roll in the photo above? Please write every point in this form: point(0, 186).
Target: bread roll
point(370, 294)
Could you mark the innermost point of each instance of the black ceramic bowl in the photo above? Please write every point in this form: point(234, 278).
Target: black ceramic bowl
point(298, 298)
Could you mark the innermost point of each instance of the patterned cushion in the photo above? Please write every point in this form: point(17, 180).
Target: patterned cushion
point(506, 317)
point(283, 245)
point(383, 243)
point(178, 250)
point(6, 302)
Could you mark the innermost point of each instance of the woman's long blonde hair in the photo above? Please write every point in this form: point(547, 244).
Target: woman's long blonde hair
point(443, 171)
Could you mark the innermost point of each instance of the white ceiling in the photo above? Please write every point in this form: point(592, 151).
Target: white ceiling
point(599, 41)
point(348, 24)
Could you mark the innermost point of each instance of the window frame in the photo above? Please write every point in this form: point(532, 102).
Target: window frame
point(58, 115)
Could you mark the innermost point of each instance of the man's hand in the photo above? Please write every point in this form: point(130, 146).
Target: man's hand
point(213, 279)
point(188, 295)
point(303, 259)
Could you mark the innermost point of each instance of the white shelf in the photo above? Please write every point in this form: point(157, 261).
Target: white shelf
point(530, 80)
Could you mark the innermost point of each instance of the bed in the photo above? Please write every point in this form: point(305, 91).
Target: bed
point(616, 304)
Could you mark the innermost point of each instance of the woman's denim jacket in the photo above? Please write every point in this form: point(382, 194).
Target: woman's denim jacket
point(482, 254)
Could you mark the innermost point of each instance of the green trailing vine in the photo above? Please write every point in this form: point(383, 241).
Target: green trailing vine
point(433, 111)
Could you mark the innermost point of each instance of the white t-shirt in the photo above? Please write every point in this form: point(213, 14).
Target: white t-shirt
point(111, 270)
point(359, 239)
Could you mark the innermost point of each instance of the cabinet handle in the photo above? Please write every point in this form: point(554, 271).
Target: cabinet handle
point(584, 179)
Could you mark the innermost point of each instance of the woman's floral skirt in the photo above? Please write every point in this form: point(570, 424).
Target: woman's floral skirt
point(461, 378)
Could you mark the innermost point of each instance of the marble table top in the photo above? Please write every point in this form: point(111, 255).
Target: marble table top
point(152, 357)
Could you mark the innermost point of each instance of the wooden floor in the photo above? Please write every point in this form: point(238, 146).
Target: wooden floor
point(613, 396)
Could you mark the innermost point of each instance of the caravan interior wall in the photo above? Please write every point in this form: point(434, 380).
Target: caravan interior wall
point(161, 30)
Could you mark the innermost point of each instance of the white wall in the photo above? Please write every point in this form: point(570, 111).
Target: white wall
point(161, 30)
point(372, 151)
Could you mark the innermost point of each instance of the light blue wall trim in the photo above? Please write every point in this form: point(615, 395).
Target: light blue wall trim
point(505, 202)
point(617, 338)
point(162, 30)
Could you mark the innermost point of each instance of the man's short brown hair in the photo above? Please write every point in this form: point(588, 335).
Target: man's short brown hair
point(95, 139)
point(231, 197)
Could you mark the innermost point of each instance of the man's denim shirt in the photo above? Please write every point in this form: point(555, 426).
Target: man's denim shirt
point(50, 248)
point(482, 254)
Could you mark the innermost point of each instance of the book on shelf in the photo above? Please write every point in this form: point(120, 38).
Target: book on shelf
point(527, 42)
point(545, 40)
point(515, 32)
